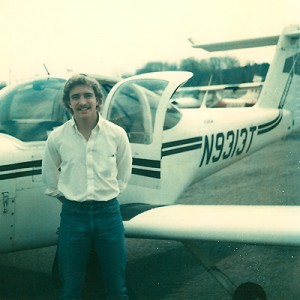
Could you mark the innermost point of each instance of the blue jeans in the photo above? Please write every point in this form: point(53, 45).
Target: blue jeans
point(85, 226)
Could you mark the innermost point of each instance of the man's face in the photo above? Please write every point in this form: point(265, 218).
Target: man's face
point(83, 102)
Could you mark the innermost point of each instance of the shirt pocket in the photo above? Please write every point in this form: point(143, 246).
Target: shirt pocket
point(108, 165)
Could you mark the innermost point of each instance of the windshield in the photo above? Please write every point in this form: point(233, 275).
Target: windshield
point(134, 107)
point(28, 111)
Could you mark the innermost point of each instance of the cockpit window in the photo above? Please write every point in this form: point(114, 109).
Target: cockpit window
point(134, 107)
point(32, 103)
point(30, 110)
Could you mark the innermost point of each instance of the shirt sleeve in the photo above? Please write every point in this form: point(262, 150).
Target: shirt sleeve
point(50, 168)
point(124, 161)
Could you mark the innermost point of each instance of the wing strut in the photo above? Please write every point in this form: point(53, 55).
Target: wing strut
point(247, 290)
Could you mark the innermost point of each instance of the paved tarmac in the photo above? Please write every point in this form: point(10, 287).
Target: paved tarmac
point(166, 270)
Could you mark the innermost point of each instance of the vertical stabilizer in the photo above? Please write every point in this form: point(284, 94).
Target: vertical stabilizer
point(282, 82)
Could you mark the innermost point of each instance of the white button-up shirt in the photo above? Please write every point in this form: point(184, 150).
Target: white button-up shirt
point(97, 169)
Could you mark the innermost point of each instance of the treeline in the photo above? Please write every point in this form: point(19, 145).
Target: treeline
point(212, 71)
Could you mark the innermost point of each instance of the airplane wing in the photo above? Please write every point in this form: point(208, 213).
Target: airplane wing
point(228, 223)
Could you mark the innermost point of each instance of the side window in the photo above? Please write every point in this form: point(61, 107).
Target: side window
point(131, 111)
point(32, 104)
point(134, 106)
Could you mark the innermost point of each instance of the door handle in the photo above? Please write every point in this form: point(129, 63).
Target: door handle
point(5, 199)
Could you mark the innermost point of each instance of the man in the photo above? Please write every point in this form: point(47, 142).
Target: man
point(87, 163)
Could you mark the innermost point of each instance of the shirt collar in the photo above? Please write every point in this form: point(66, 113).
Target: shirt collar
point(98, 125)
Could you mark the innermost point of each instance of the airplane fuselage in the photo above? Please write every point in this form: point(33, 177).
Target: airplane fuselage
point(205, 142)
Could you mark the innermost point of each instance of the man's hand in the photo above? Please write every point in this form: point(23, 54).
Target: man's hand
point(61, 198)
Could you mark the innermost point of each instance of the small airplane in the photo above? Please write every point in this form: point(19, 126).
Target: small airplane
point(172, 148)
point(227, 95)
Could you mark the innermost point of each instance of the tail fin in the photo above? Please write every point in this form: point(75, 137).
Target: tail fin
point(282, 85)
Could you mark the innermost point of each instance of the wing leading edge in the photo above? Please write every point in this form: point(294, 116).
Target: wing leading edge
point(278, 225)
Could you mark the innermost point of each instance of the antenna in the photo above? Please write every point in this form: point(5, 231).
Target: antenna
point(206, 93)
point(46, 69)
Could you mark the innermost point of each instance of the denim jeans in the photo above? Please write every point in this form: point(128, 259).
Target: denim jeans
point(87, 225)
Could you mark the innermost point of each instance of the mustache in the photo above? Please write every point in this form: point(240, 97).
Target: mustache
point(83, 106)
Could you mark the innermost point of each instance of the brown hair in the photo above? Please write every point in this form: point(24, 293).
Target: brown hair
point(82, 79)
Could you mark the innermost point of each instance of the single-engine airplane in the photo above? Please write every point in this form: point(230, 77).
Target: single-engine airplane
point(172, 148)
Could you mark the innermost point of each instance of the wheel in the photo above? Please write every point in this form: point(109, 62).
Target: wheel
point(249, 291)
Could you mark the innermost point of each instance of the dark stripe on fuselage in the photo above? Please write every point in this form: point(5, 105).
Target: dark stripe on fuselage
point(141, 167)
point(182, 142)
point(185, 145)
point(20, 174)
point(146, 173)
point(264, 128)
point(146, 162)
point(21, 165)
point(180, 150)
point(17, 167)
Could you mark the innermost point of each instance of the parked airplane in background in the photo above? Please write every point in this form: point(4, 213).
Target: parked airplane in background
point(213, 96)
point(172, 148)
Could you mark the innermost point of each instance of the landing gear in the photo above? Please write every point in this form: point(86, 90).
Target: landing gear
point(249, 291)
point(246, 291)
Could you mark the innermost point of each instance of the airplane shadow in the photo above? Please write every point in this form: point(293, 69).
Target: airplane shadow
point(22, 284)
point(154, 276)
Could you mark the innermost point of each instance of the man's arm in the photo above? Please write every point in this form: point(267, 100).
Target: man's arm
point(124, 161)
point(50, 168)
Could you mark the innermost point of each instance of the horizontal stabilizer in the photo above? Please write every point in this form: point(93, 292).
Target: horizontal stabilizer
point(292, 31)
point(239, 44)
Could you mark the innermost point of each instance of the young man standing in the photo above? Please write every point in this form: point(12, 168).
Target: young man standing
point(87, 163)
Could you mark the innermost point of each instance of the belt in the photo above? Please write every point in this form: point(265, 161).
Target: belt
point(89, 201)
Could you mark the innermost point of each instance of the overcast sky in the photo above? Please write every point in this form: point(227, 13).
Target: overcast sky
point(117, 36)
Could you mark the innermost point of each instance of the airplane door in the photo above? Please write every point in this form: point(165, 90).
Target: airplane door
point(139, 105)
point(7, 209)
